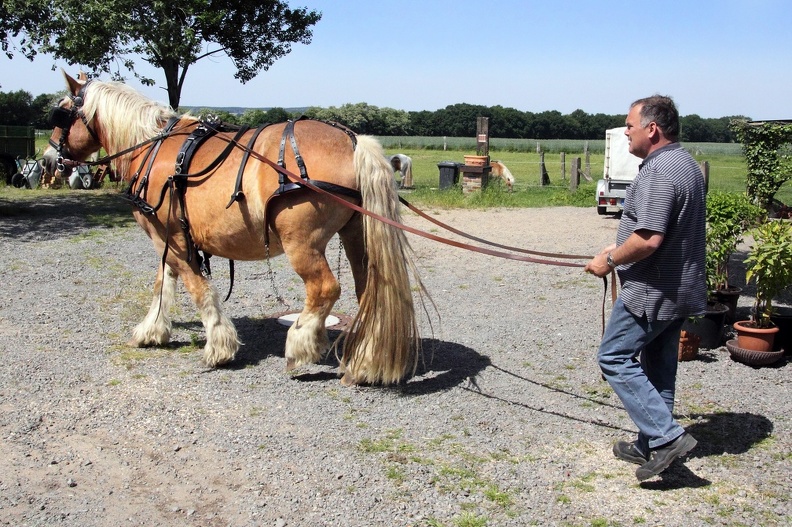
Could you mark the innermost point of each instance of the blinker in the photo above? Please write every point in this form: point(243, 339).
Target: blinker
point(61, 117)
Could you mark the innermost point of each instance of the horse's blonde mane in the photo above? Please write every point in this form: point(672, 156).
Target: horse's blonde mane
point(126, 117)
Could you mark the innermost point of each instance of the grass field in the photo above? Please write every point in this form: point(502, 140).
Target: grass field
point(727, 173)
point(727, 170)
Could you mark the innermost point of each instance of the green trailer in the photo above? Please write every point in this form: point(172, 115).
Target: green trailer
point(17, 144)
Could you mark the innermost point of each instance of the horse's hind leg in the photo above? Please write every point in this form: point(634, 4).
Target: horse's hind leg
point(155, 328)
point(307, 340)
point(354, 248)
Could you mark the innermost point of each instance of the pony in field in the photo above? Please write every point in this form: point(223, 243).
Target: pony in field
point(501, 171)
point(199, 189)
point(402, 164)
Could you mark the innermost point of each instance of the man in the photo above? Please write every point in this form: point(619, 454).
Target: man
point(659, 256)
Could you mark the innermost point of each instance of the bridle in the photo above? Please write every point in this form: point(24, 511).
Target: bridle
point(64, 118)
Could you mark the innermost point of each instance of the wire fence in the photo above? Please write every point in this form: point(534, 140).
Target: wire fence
point(552, 146)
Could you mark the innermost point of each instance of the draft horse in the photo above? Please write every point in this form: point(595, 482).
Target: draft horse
point(231, 200)
point(501, 171)
point(403, 164)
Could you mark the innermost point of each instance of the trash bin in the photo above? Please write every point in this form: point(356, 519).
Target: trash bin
point(449, 174)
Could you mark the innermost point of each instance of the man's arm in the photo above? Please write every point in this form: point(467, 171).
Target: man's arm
point(641, 244)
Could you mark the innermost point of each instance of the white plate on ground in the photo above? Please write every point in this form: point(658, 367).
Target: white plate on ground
point(290, 318)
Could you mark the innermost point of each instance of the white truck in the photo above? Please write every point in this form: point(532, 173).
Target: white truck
point(621, 167)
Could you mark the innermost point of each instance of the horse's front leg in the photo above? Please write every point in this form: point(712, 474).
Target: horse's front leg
point(222, 341)
point(155, 328)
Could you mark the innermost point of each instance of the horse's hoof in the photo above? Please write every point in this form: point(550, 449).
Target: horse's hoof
point(291, 364)
point(348, 380)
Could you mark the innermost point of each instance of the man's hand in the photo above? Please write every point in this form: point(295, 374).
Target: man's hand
point(598, 266)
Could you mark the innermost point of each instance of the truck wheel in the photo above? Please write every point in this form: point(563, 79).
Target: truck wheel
point(602, 210)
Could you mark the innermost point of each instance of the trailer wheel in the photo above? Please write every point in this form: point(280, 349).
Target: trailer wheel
point(602, 210)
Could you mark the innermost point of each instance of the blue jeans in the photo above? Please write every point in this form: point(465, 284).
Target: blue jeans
point(646, 388)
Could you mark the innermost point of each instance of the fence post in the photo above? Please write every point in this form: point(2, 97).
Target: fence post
point(588, 163)
point(704, 165)
point(563, 166)
point(574, 174)
point(544, 179)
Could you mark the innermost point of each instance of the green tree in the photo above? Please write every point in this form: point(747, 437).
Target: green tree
point(459, 120)
point(40, 110)
point(766, 146)
point(16, 108)
point(507, 122)
point(106, 35)
point(277, 115)
point(422, 123)
point(17, 17)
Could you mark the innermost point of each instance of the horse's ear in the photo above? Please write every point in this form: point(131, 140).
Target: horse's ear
point(73, 84)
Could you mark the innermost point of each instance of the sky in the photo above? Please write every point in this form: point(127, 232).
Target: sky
point(715, 58)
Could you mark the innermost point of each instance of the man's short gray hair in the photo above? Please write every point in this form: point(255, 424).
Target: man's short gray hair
point(661, 110)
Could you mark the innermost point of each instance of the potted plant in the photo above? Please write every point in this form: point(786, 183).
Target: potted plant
point(768, 265)
point(476, 160)
point(728, 216)
point(688, 345)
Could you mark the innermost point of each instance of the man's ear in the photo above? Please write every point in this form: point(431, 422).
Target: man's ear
point(653, 131)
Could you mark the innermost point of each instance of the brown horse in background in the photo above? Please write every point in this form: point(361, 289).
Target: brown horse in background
point(501, 171)
point(382, 343)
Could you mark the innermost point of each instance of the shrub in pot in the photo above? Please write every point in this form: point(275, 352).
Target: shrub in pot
point(728, 216)
point(769, 266)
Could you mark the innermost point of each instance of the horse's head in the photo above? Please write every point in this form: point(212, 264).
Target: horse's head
point(74, 136)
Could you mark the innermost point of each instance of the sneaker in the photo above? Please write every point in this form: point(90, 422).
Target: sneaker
point(661, 458)
point(629, 452)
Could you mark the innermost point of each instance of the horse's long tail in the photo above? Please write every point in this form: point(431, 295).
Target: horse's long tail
point(383, 343)
point(407, 176)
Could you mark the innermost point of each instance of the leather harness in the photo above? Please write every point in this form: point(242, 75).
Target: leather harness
point(137, 191)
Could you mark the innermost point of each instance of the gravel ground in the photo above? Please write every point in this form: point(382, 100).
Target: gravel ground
point(507, 423)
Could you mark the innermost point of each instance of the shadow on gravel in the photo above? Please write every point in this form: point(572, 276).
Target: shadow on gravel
point(727, 432)
point(717, 434)
point(677, 476)
point(62, 214)
point(262, 338)
point(473, 387)
point(445, 364)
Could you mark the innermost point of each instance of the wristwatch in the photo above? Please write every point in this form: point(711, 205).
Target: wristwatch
point(610, 262)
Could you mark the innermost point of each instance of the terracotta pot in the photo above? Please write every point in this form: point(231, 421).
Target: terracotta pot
point(688, 345)
point(476, 161)
point(753, 338)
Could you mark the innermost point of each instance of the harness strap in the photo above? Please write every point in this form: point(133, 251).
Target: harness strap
point(238, 195)
point(134, 196)
point(178, 181)
point(288, 135)
point(287, 184)
point(338, 189)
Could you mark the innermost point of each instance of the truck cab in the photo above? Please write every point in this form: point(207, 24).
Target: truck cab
point(621, 167)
